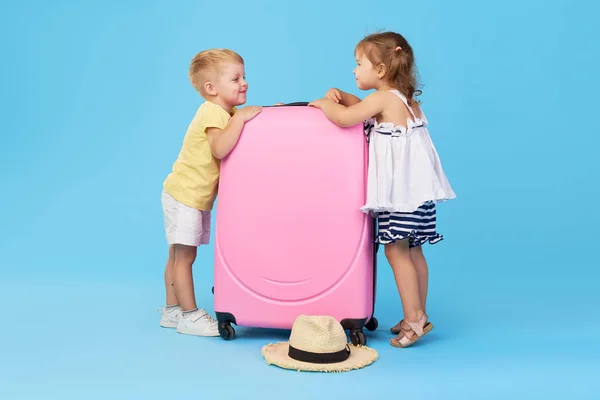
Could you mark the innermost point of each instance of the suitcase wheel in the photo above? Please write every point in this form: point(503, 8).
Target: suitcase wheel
point(226, 331)
point(372, 324)
point(357, 337)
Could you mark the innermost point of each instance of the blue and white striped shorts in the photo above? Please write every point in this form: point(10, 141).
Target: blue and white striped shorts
point(418, 226)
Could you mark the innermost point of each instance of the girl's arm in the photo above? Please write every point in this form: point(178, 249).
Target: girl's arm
point(343, 98)
point(342, 116)
point(349, 99)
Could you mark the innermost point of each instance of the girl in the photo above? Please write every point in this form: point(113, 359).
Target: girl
point(405, 176)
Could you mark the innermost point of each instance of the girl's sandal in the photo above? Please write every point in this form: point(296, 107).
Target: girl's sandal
point(396, 329)
point(419, 329)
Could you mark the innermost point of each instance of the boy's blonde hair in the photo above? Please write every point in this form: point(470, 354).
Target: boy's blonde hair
point(207, 63)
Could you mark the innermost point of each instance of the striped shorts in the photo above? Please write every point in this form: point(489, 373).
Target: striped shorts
point(418, 226)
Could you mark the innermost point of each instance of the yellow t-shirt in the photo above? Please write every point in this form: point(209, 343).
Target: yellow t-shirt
point(195, 175)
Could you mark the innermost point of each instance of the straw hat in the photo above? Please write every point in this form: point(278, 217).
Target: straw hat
point(318, 343)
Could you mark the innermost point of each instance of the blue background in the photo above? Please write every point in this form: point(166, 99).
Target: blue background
point(96, 100)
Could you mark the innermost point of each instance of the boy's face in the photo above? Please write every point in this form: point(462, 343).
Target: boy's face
point(231, 85)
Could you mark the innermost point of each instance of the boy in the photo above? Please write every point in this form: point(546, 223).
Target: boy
point(190, 189)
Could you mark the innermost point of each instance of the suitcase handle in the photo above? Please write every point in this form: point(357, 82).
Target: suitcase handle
point(296, 104)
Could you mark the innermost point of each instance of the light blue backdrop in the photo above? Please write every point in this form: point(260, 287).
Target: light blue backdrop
point(95, 101)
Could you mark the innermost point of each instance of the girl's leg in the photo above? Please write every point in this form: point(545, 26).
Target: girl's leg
point(182, 276)
point(418, 259)
point(405, 274)
point(415, 322)
point(169, 281)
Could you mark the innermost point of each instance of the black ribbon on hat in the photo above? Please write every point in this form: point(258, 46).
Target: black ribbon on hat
point(319, 358)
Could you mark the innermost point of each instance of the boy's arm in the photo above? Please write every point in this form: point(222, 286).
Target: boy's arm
point(222, 141)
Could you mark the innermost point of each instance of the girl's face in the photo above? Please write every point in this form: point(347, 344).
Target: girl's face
point(365, 73)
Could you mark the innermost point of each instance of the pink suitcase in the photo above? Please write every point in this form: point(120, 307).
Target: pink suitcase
point(290, 238)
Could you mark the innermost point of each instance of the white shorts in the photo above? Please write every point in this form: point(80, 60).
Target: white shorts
point(185, 225)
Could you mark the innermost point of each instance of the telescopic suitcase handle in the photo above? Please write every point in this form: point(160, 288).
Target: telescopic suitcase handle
point(296, 104)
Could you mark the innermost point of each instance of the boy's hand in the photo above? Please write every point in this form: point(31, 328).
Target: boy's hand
point(334, 95)
point(247, 113)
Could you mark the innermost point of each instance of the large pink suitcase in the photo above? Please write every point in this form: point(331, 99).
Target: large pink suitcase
point(290, 238)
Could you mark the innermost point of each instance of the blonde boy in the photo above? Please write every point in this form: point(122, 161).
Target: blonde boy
point(189, 191)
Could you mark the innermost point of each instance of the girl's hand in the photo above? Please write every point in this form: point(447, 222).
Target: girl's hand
point(318, 103)
point(334, 95)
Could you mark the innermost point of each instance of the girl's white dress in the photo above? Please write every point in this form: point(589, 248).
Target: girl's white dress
point(405, 180)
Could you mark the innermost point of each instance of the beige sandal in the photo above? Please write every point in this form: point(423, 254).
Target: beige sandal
point(396, 329)
point(419, 329)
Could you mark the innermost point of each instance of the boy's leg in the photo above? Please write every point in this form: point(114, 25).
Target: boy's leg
point(194, 321)
point(185, 230)
point(169, 280)
point(183, 227)
point(185, 256)
point(172, 312)
point(182, 276)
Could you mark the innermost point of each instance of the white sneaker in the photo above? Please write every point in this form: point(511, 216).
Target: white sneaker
point(170, 318)
point(198, 323)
